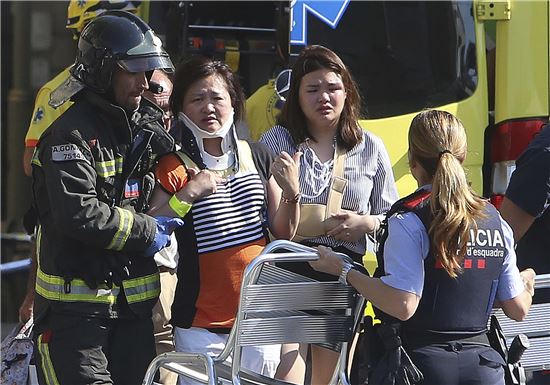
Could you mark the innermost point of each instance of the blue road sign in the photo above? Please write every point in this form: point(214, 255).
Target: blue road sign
point(329, 11)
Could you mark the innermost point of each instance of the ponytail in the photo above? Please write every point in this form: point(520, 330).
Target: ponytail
point(455, 209)
point(437, 140)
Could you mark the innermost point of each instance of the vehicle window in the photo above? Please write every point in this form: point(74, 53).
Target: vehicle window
point(242, 33)
point(405, 55)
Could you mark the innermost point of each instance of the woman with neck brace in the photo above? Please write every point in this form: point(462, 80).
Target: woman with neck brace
point(242, 191)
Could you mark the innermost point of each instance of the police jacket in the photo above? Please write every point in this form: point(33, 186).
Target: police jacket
point(454, 308)
point(89, 181)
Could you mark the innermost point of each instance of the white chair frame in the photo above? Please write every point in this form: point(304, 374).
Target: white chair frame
point(271, 312)
point(536, 326)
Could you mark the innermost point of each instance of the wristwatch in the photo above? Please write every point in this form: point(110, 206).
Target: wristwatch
point(343, 278)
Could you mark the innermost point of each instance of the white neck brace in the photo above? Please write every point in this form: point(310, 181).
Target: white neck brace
point(228, 144)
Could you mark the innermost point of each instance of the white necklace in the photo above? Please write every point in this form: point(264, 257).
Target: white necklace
point(318, 175)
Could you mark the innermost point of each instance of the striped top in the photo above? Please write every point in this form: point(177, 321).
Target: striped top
point(367, 168)
point(232, 215)
point(222, 233)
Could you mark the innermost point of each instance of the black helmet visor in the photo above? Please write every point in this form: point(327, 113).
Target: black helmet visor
point(145, 64)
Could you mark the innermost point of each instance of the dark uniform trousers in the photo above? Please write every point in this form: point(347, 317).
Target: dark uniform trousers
point(457, 363)
point(74, 350)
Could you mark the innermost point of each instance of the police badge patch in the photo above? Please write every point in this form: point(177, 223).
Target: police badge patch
point(65, 152)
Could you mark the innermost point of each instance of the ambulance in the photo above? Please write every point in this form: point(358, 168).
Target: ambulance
point(487, 62)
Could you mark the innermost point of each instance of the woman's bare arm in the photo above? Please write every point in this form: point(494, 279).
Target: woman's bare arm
point(201, 184)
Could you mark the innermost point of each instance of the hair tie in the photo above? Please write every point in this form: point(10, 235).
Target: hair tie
point(444, 152)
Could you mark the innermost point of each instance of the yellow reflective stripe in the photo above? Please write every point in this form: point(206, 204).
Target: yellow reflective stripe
point(125, 223)
point(106, 168)
point(53, 296)
point(109, 167)
point(142, 288)
point(38, 242)
point(47, 366)
point(119, 163)
point(52, 279)
point(52, 288)
point(35, 160)
point(135, 282)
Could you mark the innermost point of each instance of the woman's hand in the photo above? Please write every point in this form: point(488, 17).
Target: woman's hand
point(285, 169)
point(200, 185)
point(350, 226)
point(528, 277)
point(328, 261)
point(284, 214)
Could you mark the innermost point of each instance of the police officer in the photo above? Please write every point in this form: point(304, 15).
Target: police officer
point(97, 281)
point(448, 258)
point(526, 207)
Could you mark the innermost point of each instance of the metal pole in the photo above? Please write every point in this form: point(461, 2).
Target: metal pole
point(19, 111)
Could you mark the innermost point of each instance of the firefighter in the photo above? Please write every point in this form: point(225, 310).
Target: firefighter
point(79, 13)
point(448, 257)
point(97, 281)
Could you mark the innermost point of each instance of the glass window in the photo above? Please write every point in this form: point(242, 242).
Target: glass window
point(404, 55)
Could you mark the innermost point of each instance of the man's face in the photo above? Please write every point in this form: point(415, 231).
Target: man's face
point(128, 88)
point(161, 99)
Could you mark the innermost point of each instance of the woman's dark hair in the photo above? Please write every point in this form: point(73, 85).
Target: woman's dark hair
point(313, 58)
point(200, 67)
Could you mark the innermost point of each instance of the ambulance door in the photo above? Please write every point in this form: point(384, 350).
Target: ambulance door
point(521, 89)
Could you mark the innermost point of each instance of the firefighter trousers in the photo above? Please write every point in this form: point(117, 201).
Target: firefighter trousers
point(79, 350)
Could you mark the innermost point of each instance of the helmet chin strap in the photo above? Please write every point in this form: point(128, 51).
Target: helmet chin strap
point(228, 144)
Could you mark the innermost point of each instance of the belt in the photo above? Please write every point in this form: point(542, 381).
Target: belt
point(164, 269)
point(415, 341)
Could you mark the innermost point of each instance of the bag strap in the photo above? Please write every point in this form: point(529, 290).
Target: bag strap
point(338, 183)
point(25, 330)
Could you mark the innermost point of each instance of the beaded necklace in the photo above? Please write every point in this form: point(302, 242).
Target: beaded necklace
point(318, 175)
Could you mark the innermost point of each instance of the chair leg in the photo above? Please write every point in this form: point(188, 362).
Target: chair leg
point(166, 360)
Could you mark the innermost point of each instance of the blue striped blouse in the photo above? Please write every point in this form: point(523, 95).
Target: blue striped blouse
point(367, 168)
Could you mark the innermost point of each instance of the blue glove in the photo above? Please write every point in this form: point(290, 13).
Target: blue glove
point(165, 227)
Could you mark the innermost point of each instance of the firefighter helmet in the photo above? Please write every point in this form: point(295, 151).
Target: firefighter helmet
point(80, 12)
point(115, 38)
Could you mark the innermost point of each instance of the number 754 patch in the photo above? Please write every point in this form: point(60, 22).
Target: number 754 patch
point(65, 152)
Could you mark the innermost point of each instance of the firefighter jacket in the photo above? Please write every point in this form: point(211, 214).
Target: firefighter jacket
point(455, 308)
point(90, 178)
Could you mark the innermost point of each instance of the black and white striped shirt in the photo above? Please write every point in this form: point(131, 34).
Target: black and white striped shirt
point(232, 216)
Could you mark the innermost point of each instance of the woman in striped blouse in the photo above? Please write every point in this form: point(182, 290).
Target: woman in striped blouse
point(226, 229)
point(346, 180)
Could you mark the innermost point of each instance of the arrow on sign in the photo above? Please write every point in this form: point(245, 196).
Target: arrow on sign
point(329, 11)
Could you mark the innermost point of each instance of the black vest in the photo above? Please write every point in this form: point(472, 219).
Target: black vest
point(455, 307)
